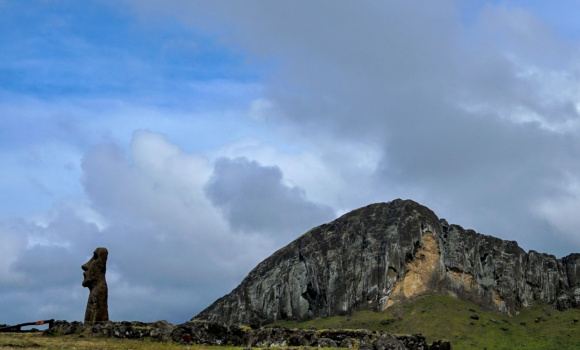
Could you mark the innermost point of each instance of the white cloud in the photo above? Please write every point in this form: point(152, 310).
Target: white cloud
point(474, 119)
point(164, 237)
point(561, 210)
point(261, 109)
point(13, 242)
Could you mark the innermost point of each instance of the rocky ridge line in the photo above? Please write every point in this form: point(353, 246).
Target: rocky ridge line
point(378, 255)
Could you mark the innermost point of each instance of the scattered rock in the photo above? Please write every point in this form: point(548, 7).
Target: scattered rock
point(388, 321)
point(65, 328)
point(204, 333)
point(440, 345)
point(388, 342)
point(298, 338)
point(346, 343)
point(416, 341)
point(161, 330)
point(326, 343)
point(475, 317)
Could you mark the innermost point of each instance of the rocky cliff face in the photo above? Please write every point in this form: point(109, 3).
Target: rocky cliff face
point(378, 255)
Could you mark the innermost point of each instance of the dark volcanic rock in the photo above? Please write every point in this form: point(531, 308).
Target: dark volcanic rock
point(161, 330)
point(214, 334)
point(65, 328)
point(298, 339)
point(388, 342)
point(380, 254)
point(326, 343)
point(414, 342)
point(440, 345)
point(346, 343)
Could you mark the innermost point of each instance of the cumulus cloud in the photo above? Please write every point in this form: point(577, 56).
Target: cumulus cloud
point(253, 198)
point(162, 223)
point(159, 182)
point(169, 247)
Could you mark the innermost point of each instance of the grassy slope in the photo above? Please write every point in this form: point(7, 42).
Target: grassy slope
point(443, 317)
point(435, 316)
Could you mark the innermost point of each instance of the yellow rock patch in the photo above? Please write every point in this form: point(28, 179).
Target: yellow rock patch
point(421, 270)
point(464, 279)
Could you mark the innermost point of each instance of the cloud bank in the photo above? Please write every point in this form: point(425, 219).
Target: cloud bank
point(473, 115)
point(169, 247)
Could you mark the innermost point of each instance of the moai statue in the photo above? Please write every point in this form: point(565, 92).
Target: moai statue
point(95, 269)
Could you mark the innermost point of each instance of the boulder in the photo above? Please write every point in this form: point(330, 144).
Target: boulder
point(388, 342)
point(298, 338)
point(65, 328)
point(326, 343)
point(346, 343)
point(440, 345)
point(161, 330)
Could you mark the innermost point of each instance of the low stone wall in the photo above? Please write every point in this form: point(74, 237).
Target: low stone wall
point(207, 333)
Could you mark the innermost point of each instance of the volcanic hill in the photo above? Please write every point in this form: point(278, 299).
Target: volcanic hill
point(385, 253)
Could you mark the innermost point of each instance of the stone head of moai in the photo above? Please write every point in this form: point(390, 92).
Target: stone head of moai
point(94, 279)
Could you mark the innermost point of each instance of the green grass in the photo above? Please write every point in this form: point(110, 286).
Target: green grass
point(74, 342)
point(442, 317)
point(435, 316)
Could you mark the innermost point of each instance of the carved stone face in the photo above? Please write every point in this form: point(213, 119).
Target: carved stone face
point(95, 268)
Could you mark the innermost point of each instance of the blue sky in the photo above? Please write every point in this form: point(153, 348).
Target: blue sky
point(193, 139)
point(96, 57)
point(68, 48)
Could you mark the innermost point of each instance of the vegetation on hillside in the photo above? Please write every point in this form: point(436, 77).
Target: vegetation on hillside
point(443, 317)
point(437, 317)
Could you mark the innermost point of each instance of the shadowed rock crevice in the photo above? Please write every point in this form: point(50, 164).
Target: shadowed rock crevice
point(385, 253)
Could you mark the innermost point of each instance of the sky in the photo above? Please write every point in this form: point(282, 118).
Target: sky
point(193, 139)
